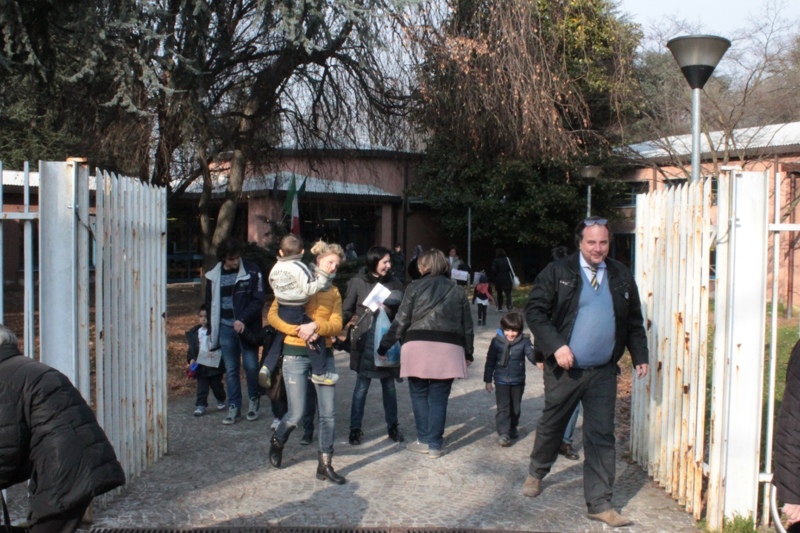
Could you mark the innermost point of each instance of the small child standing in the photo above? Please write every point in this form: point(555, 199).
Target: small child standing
point(483, 296)
point(505, 363)
point(207, 376)
point(293, 283)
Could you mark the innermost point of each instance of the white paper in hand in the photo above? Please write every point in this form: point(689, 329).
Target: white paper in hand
point(376, 297)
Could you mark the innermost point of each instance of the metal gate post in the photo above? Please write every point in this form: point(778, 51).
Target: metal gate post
point(58, 310)
point(747, 299)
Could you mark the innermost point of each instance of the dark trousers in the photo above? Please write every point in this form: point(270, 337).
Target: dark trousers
point(482, 312)
point(596, 389)
point(297, 315)
point(509, 401)
point(210, 382)
point(66, 522)
point(500, 294)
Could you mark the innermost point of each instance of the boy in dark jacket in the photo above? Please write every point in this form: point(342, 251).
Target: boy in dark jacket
point(207, 375)
point(51, 439)
point(505, 363)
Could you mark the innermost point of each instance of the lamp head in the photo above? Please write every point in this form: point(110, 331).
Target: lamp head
point(698, 56)
point(589, 173)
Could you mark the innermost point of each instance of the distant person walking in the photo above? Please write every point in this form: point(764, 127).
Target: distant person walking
point(399, 263)
point(503, 279)
point(413, 269)
point(235, 300)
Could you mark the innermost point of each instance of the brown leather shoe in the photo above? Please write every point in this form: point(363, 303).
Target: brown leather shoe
point(567, 451)
point(532, 486)
point(612, 518)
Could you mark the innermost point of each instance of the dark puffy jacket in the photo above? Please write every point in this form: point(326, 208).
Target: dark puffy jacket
point(50, 435)
point(362, 358)
point(505, 361)
point(553, 307)
point(433, 309)
point(787, 435)
point(501, 272)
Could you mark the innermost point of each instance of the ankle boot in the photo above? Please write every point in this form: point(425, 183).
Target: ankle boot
point(275, 452)
point(325, 470)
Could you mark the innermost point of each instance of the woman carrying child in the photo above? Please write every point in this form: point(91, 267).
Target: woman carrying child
point(505, 364)
point(324, 308)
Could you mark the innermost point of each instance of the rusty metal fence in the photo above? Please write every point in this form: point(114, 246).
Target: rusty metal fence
point(672, 268)
point(695, 428)
point(101, 247)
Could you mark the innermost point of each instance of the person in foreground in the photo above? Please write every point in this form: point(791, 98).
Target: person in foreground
point(584, 311)
point(787, 445)
point(434, 323)
point(51, 437)
point(324, 308)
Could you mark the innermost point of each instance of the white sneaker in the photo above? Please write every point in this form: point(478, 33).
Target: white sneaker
point(221, 406)
point(199, 410)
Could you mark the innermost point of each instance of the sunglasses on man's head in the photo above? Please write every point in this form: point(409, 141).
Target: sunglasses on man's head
point(592, 221)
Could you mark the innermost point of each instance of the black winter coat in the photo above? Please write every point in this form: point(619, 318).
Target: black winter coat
point(362, 359)
point(193, 342)
point(50, 435)
point(433, 309)
point(553, 306)
point(787, 435)
point(501, 273)
point(505, 361)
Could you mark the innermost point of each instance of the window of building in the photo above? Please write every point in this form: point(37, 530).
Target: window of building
point(634, 188)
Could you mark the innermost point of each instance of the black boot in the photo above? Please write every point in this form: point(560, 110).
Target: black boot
point(275, 452)
point(394, 434)
point(325, 470)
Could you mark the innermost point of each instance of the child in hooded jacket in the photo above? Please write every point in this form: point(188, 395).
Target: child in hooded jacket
point(483, 296)
point(505, 365)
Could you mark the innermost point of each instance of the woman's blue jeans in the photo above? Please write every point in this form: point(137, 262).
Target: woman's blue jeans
point(296, 374)
point(429, 402)
point(360, 399)
point(232, 347)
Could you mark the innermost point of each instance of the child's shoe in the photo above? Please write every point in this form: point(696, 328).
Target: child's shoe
point(264, 378)
point(504, 441)
point(221, 406)
point(328, 378)
point(199, 411)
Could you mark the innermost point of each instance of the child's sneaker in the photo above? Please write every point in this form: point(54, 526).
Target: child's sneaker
point(264, 379)
point(221, 406)
point(199, 410)
point(328, 378)
point(504, 441)
point(275, 423)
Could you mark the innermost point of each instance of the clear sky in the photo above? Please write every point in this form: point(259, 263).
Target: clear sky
point(717, 17)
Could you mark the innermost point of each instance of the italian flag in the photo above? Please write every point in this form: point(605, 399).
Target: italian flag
point(290, 205)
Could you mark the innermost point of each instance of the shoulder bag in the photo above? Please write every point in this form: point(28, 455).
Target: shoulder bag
point(514, 278)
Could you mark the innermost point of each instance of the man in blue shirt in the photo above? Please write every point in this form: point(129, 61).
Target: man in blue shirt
point(584, 310)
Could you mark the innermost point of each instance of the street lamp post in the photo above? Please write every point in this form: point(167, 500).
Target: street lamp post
point(698, 56)
point(589, 174)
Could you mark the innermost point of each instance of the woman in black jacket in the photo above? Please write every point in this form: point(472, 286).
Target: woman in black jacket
point(434, 323)
point(50, 437)
point(362, 356)
point(503, 278)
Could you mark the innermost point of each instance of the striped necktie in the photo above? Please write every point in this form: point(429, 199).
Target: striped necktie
point(593, 281)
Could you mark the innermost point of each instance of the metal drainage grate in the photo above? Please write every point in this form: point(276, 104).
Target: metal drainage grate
point(290, 529)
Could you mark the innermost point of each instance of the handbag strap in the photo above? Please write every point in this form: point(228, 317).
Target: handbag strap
point(511, 267)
